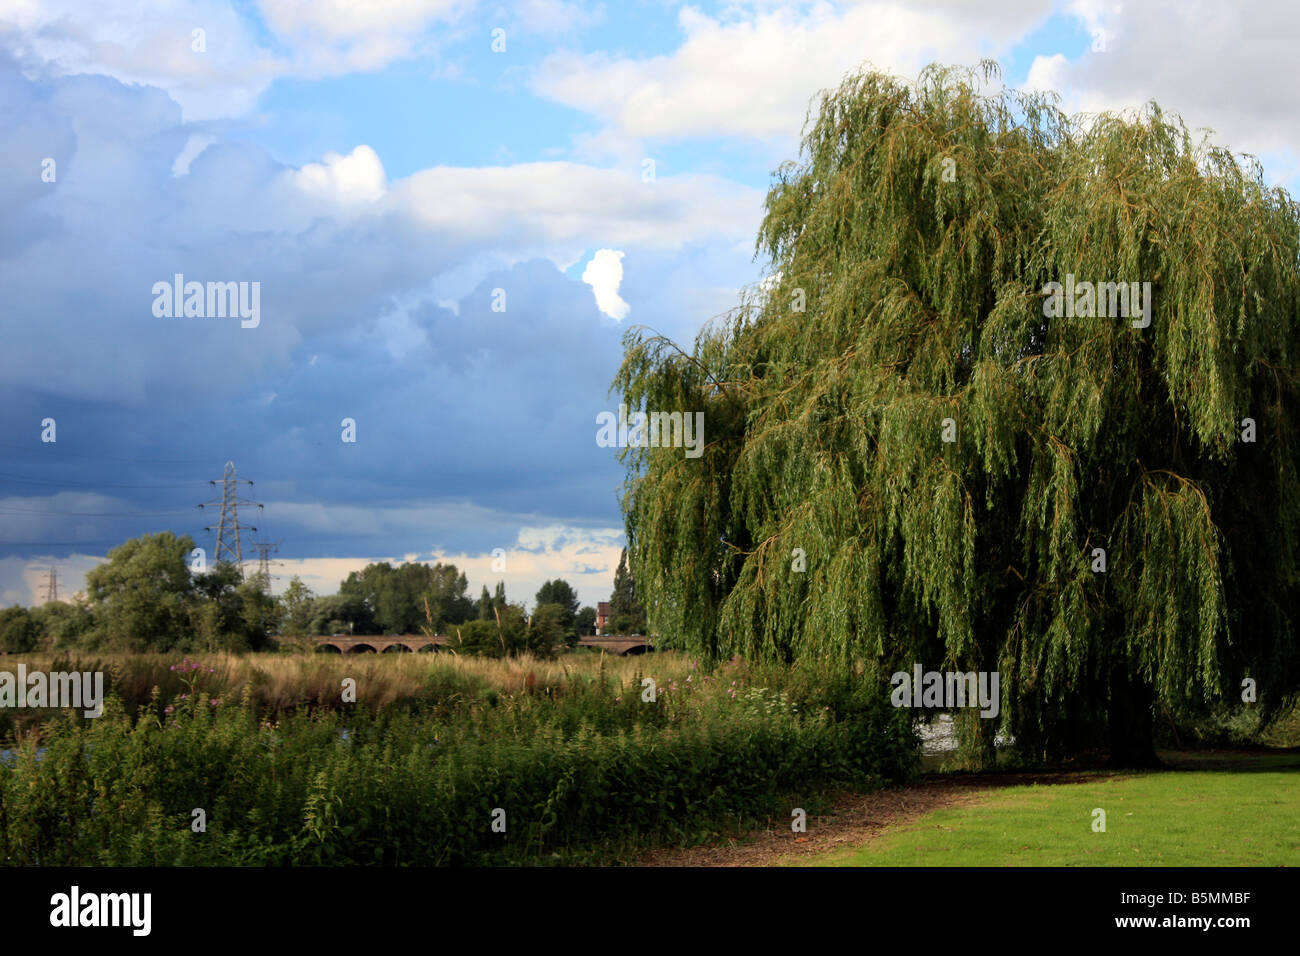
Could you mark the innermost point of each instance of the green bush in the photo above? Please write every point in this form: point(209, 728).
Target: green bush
point(1220, 725)
point(590, 773)
point(19, 630)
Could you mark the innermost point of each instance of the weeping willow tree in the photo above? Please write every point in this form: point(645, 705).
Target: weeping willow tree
point(919, 450)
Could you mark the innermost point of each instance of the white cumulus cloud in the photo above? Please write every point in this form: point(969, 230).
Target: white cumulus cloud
point(567, 203)
point(1219, 65)
point(754, 71)
point(355, 178)
point(604, 273)
point(244, 46)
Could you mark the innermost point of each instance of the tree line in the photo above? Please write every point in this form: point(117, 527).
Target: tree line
point(147, 597)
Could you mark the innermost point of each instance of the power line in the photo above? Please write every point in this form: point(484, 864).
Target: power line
point(74, 454)
point(85, 542)
point(63, 544)
point(96, 514)
point(25, 479)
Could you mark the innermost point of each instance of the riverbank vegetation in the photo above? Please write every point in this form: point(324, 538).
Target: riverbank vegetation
point(437, 762)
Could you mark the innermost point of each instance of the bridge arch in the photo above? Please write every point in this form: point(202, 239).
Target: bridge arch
point(362, 649)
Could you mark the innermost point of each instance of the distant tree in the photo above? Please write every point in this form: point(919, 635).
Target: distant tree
point(19, 631)
point(396, 595)
point(478, 637)
point(216, 583)
point(448, 595)
point(507, 634)
point(499, 596)
point(64, 624)
point(514, 628)
point(626, 615)
point(227, 612)
point(207, 619)
point(139, 595)
point(258, 615)
point(547, 629)
point(214, 607)
point(337, 613)
point(584, 623)
point(296, 604)
point(485, 605)
point(377, 587)
point(562, 593)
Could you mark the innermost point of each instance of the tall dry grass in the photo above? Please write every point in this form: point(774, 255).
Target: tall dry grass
point(277, 683)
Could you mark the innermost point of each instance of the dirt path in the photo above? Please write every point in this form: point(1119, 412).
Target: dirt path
point(857, 819)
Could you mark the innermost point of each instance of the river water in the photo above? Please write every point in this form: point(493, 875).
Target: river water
point(939, 736)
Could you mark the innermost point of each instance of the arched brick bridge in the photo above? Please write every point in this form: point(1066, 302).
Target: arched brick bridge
point(404, 643)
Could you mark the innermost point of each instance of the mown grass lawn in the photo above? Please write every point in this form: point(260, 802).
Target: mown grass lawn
point(1248, 815)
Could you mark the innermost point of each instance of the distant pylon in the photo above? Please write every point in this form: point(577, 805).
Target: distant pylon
point(229, 540)
point(52, 586)
point(264, 549)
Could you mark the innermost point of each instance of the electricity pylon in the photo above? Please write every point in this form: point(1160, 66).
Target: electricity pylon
point(52, 586)
point(229, 538)
point(264, 550)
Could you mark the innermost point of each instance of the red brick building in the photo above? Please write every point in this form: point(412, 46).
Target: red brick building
point(602, 616)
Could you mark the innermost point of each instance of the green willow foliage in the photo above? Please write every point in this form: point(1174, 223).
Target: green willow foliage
point(924, 302)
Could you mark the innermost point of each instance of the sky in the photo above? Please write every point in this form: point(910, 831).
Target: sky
point(453, 211)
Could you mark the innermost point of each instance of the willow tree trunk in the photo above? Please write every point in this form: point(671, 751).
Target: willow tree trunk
point(1129, 717)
